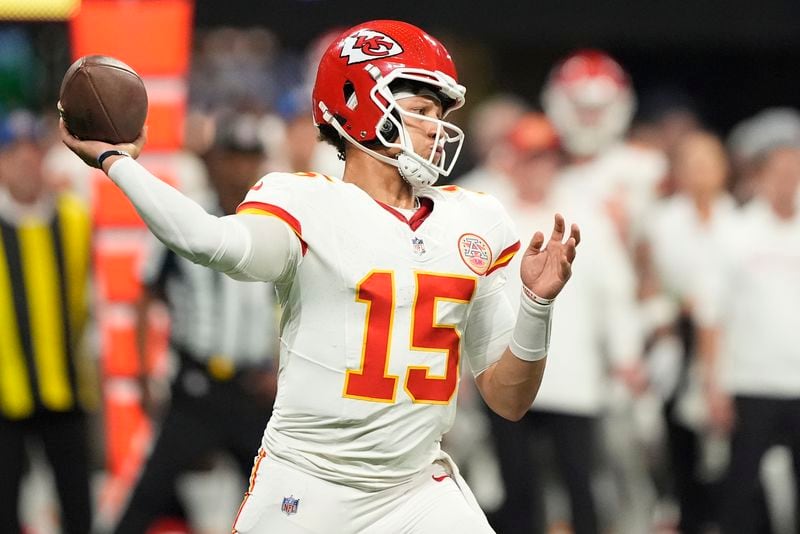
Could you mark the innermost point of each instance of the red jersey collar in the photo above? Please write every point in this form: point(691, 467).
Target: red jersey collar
point(425, 209)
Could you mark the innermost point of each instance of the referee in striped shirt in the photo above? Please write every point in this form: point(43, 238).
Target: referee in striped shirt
point(223, 338)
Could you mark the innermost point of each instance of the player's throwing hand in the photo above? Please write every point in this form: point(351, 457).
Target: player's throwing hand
point(89, 151)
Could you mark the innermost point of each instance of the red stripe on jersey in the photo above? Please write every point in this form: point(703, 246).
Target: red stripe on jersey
point(282, 214)
point(425, 209)
point(253, 474)
point(505, 258)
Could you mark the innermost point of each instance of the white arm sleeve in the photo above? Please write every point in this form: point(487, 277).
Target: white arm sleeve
point(489, 326)
point(246, 247)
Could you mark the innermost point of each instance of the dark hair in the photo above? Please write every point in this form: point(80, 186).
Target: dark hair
point(328, 134)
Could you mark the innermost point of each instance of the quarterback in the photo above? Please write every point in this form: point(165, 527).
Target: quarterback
point(388, 285)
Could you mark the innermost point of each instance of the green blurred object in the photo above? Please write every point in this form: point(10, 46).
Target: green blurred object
point(18, 69)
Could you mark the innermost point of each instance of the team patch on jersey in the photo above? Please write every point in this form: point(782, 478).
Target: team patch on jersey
point(475, 253)
point(366, 45)
point(289, 505)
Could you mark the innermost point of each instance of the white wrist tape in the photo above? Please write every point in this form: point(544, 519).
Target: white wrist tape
point(530, 339)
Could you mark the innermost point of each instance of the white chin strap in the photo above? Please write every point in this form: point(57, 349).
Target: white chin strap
point(414, 172)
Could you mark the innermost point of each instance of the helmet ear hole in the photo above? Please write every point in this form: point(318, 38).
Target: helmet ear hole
point(349, 92)
point(389, 129)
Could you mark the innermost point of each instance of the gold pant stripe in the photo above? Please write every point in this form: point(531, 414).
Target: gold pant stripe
point(16, 401)
point(44, 310)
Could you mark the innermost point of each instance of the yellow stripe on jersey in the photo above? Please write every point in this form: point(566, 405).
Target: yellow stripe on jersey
point(44, 314)
point(75, 230)
point(76, 238)
point(16, 401)
point(260, 208)
point(505, 257)
point(255, 211)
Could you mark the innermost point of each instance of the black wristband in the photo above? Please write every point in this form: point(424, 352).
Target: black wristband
point(107, 154)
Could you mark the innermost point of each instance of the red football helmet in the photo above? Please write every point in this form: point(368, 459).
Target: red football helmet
point(352, 93)
point(588, 97)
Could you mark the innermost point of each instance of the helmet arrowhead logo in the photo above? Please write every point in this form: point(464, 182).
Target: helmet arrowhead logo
point(366, 45)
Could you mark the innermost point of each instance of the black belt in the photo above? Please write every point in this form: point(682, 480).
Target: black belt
point(217, 366)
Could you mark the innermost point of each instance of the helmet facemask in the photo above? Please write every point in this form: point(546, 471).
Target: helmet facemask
point(591, 115)
point(390, 130)
point(589, 99)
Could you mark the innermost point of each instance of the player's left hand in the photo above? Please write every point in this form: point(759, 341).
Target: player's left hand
point(546, 270)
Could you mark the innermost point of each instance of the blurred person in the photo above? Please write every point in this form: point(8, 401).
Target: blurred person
point(750, 138)
point(300, 147)
point(664, 117)
point(752, 364)
point(223, 337)
point(590, 100)
point(45, 374)
point(685, 238)
point(600, 305)
point(236, 67)
point(380, 275)
point(489, 125)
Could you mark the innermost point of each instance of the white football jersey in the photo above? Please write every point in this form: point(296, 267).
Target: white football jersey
point(627, 173)
point(374, 320)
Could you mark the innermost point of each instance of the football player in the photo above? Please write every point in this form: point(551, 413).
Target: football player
point(387, 285)
point(590, 100)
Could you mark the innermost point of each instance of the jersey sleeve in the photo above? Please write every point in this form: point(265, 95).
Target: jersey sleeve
point(491, 318)
point(506, 241)
point(285, 196)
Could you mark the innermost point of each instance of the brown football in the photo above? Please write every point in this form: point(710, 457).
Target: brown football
point(103, 99)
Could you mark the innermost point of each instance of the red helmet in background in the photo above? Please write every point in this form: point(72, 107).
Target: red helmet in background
point(366, 70)
point(589, 99)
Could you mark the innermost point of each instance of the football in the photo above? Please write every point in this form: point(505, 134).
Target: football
point(103, 99)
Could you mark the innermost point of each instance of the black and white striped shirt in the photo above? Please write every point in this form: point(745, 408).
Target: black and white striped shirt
point(211, 314)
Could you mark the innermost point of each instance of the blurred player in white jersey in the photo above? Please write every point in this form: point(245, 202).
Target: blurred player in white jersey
point(385, 281)
point(590, 100)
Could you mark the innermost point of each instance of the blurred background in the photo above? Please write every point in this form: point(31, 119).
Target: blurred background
point(668, 130)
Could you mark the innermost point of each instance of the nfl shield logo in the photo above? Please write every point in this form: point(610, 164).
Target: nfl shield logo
point(289, 505)
point(418, 246)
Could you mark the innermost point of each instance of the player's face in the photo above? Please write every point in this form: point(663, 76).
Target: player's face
point(780, 176)
point(423, 132)
point(700, 165)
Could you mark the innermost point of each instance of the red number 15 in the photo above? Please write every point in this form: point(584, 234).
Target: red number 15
point(372, 381)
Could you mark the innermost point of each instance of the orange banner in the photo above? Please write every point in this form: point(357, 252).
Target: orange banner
point(152, 36)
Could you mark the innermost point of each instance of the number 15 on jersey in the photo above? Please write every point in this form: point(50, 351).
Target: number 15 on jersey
point(372, 381)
